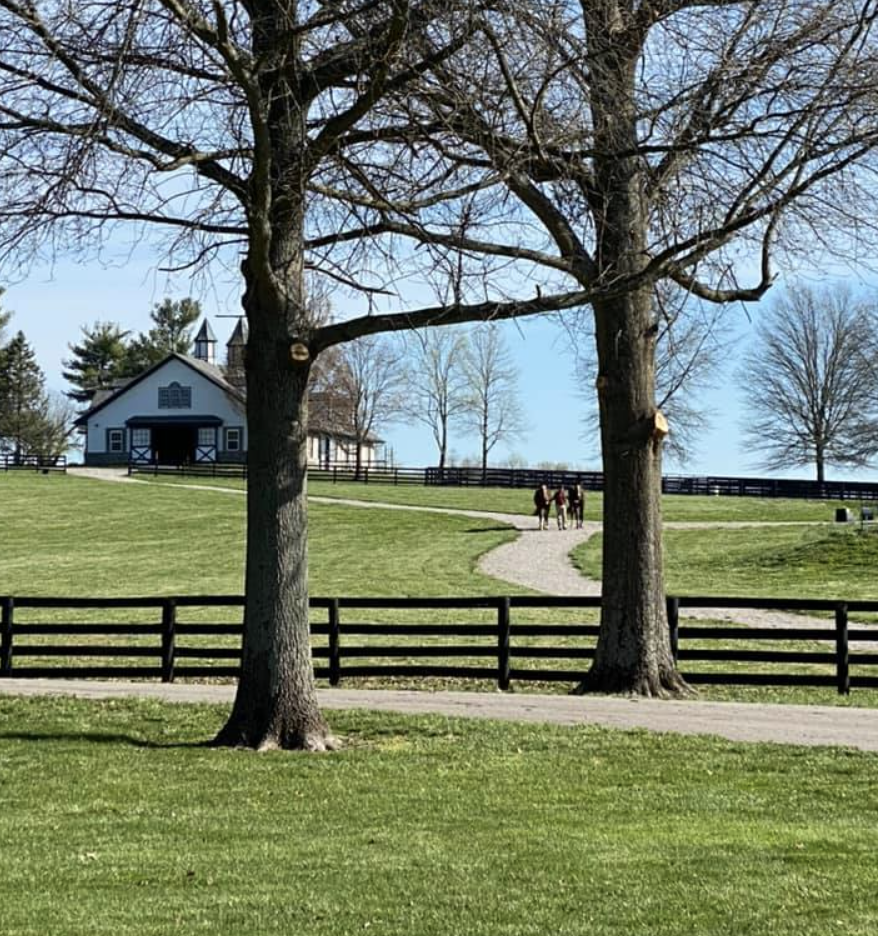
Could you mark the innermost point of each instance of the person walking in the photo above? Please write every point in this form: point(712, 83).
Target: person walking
point(542, 500)
point(576, 501)
point(560, 500)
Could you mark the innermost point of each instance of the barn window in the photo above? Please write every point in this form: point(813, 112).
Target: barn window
point(140, 438)
point(175, 396)
point(233, 440)
point(115, 440)
point(206, 435)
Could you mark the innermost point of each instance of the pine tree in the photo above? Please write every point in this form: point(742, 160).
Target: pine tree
point(172, 333)
point(97, 362)
point(22, 398)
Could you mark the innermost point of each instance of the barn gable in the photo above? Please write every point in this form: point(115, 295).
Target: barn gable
point(180, 410)
point(187, 410)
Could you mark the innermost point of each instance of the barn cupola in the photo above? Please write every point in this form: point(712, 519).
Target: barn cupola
point(236, 345)
point(205, 344)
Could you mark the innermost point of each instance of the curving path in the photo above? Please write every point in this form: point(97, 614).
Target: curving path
point(540, 559)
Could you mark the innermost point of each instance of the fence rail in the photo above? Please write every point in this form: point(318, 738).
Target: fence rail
point(44, 463)
point(709, 485)
point(498, 647)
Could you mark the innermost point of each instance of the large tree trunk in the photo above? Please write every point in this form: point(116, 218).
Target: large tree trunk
point(276, 702)
point(633, 651)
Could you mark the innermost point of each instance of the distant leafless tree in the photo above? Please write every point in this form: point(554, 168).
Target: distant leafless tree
point(810, 381)
point(493, 408)
point(436, 393)
point(370, 383)
point(56, 432)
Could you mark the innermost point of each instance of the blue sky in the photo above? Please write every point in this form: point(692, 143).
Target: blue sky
point(52, 304)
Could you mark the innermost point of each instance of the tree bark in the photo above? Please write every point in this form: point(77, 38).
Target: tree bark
point(276, 702)
point(485, 445)
point(633, 652)
point(443, 445)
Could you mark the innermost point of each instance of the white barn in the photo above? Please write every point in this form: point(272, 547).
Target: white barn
point(186, 410)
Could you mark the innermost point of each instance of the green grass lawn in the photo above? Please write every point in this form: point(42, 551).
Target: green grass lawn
point(676, 507)
point(70, 536)
point(812, 562)
point(116, 821)
point(73, 536)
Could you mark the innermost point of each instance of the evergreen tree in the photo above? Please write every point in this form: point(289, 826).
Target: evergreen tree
point(97, 362)
point(22, 398)
point(172, 332)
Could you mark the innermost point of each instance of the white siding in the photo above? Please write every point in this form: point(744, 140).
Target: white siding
point(143, 400)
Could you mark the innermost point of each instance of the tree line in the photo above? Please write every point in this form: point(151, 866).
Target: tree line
point(446, 380)
point(809, 381)
point(516, 158)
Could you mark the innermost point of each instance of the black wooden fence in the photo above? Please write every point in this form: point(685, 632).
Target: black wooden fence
point(710, 485)
point(499, 647)
point(9, 462)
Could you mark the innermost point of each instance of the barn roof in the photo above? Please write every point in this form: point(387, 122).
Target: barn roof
point(210, 371)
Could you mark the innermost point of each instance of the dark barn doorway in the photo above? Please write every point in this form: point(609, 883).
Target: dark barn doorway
point(174, 445)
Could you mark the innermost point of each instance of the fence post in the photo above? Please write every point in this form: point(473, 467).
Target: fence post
point(334, 644)
point(8, 604)
point(169, 622)
point(842, 658)
point(673, 606)
point(504, 638)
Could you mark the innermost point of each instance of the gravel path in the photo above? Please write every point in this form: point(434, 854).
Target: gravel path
point(780, 724)
point(540, 559)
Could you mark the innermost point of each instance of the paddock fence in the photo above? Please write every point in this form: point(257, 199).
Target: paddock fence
point(504, 640)
point(708, 485)
point(44, 463)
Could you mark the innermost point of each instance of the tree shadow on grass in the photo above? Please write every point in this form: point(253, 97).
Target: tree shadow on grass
point(100, 737)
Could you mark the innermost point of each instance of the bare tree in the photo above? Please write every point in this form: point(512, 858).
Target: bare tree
point(641, 142)
point(492, 410)
point(56, 431)
point(809, 381)
point(437, 384)
point(370, 384)
point(250, 133)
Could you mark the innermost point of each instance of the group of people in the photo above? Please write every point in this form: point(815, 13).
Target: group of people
point(571, 499)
